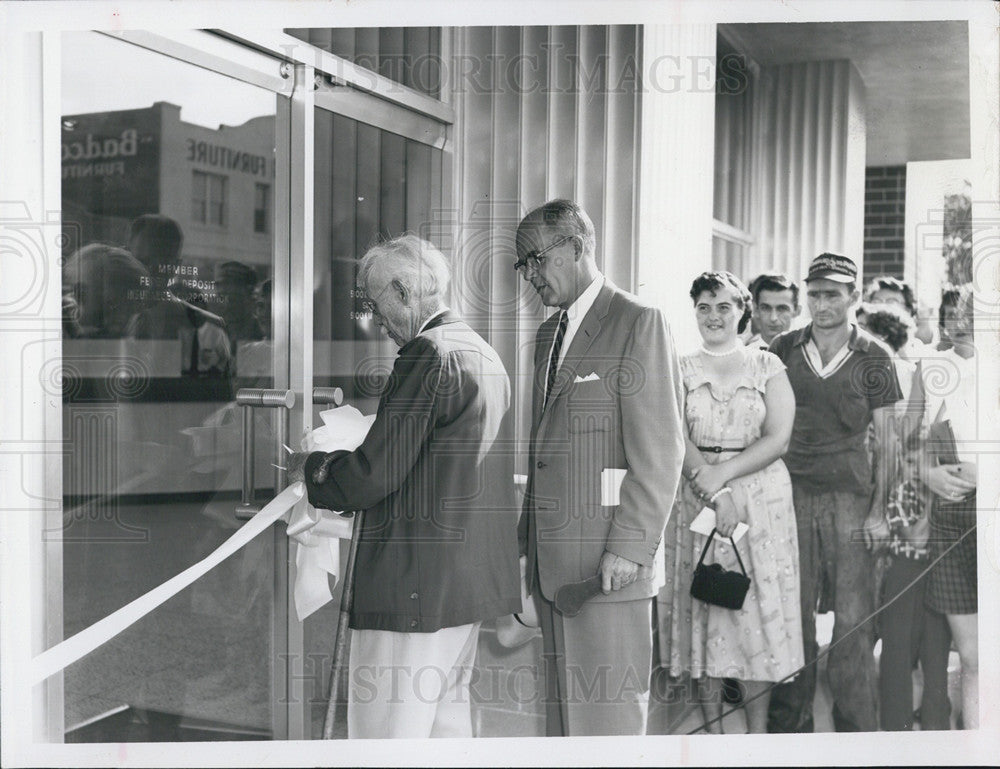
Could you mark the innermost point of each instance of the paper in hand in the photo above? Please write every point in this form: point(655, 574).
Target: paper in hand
point(319, 532)
point(611, 485)
point(343, 429)
point(704, 522)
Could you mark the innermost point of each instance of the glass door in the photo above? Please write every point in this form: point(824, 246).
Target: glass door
point(169, 192)
point(208, 220)
point(371, 183)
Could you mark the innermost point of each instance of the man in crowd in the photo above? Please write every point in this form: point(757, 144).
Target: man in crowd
point(843, 379)
point(775, 306)
point(438, 549)
point(607, 442)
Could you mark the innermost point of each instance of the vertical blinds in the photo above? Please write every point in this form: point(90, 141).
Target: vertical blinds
point(541, 112)
point(809, 160)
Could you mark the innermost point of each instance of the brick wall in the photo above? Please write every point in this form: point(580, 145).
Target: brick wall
point(885, 213)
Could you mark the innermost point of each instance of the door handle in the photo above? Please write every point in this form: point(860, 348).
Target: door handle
point(250, 398)
point(328, 395)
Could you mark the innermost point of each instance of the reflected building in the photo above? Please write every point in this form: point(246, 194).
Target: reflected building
point(217, 184)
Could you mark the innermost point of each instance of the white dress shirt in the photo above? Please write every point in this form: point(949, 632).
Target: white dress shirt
point(576, 312)
point(950, 382)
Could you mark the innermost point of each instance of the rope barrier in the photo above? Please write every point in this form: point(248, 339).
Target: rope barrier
point(829, 648)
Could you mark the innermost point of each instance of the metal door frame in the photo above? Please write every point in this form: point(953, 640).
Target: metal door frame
point(302, 77)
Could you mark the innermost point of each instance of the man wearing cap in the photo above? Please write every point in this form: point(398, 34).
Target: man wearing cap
point(842, 378)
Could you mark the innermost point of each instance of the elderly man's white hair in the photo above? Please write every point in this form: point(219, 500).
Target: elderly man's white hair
point(417, 264)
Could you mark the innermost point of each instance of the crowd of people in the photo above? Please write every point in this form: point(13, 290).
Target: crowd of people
point(853, 432)
point(815, 452)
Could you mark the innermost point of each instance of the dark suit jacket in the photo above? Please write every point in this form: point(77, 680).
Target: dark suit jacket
point(629, 418)
point(438, 546)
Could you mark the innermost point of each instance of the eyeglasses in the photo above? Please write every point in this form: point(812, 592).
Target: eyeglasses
point(369, 305)
point(534, 259)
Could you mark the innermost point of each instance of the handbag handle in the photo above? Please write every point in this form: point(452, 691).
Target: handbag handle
point(704, 551)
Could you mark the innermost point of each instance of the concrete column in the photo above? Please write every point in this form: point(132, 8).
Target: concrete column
point(676, 162)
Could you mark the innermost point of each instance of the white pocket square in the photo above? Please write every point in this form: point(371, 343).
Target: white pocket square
point(591, 377)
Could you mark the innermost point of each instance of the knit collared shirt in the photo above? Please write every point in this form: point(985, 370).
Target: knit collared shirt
point(833, 407)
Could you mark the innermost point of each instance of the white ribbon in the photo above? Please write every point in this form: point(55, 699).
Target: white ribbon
point(318, 534)
point(61, 655)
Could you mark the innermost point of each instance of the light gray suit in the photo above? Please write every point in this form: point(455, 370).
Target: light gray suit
point(629, 417)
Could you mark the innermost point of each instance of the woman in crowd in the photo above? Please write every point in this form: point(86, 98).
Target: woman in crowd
point(895, 327)
point(739, 412)
point(952, 479)
point(910, 632)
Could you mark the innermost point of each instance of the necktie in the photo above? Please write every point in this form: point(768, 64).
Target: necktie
point(554, 355)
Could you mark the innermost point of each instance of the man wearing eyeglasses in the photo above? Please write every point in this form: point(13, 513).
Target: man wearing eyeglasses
point(438, 549)
point(607, 442)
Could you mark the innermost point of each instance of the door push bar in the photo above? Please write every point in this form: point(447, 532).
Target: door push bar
point(283, 400)
point(328, 396)
point(250, 398)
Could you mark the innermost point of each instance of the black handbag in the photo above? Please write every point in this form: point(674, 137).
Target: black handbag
point(720, 587)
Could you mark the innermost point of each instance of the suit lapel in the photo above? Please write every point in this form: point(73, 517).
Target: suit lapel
point(580, 345)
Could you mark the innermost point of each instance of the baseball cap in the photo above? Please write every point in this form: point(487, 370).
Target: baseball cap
point(833, 267)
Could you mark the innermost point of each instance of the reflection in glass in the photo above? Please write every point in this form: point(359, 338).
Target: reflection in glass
point(167, 174)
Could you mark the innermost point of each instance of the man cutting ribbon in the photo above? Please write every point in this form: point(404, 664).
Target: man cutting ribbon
point(437, 553)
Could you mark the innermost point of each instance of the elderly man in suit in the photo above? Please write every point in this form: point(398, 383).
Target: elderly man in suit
point(438, 550)
point(607, 441)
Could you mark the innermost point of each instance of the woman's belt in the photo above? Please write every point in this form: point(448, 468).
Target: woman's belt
point(717, 449)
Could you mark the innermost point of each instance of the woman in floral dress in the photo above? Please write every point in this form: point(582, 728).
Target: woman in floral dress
point(739, 413)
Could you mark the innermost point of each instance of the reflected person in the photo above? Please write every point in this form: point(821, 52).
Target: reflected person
point(171, 309)
point(234, 285)
point(102, 288)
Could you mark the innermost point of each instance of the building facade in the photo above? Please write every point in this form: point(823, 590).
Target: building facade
point(707, 144)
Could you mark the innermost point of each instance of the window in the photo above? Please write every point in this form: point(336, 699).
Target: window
point(730, 251)
point(208, 198)
point(261, 207)
point(732, 239)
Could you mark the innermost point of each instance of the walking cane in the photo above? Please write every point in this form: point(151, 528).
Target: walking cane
point(340, 645)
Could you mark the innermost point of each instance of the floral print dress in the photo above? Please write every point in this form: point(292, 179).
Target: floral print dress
point(763, 640)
